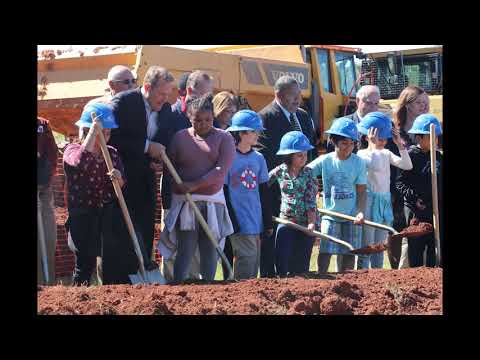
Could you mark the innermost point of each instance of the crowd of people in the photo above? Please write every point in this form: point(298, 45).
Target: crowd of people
point(241, 168)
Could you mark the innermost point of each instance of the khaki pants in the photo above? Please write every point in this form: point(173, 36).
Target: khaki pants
point(404, 257)
point(167, 265)
point(45, 206)
point(246, 253)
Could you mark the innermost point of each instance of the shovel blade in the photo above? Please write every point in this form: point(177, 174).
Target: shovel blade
point(151, 277)
point(372, 249)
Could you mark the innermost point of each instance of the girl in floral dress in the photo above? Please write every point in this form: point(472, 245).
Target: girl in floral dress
point(298, 188)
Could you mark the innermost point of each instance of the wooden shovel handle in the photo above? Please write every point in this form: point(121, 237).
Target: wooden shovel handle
point(121, 200)
point(433, 161)
point(198, 214)
point(351, 218)
point(312, 232)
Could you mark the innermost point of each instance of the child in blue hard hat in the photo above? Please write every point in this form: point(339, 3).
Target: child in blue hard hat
point(298, 189)
point(91, 195)
point(246, 192)
point(378, 129)
point(416, 187)
point(344, 178)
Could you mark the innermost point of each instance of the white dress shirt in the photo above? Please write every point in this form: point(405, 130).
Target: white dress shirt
point(287, 114)
point(151, 120)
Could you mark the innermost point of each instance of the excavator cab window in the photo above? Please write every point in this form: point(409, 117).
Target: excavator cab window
point(346, 72)
point(325, 79)
point(394, 72)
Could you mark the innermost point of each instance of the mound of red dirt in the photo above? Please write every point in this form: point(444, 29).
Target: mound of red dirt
point(373, 292)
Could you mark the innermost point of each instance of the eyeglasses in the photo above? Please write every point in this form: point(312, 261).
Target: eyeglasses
point(127, 81)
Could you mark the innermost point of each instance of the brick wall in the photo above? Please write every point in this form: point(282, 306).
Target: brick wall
point(64, 258)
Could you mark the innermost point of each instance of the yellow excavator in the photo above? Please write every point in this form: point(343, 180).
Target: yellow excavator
point(392, 71)
point(326, 74)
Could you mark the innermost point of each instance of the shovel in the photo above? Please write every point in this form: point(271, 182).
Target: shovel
point(312, 232)
point(433, 162)
point(316, 234)
point(409, 232)
point(143, 276)
point(43, 246)
point(198, 214)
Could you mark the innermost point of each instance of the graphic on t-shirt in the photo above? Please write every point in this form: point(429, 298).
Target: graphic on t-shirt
point(248, 179)
point(427, 169)
point(339, 186)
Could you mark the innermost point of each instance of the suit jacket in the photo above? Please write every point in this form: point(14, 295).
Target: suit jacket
point(130, 136)
point(276, 125)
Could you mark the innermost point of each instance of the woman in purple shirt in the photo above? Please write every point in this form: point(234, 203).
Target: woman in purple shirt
point(202, 155)
point(90, 192)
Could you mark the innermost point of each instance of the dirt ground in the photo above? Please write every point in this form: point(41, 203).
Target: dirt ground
point(370, 292)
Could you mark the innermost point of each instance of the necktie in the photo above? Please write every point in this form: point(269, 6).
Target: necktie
point(294, 123)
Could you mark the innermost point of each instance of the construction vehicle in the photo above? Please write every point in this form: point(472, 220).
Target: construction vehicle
point(325, 74)
point(392, 71)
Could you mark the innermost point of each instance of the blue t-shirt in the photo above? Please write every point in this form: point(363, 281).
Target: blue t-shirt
point(339, 178)
point(243, 179)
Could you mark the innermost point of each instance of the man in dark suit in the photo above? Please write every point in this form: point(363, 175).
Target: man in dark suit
point(136, 113)
point(279, 117)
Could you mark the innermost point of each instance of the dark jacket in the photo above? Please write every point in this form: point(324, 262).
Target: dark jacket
point(181, 119)
point(171, 119)
point(48, 152)
point(417, 183)
point(331, 146)
point(276, 125)
point(130, 137)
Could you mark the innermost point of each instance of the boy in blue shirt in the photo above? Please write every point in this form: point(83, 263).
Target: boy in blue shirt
point(246, 193)
point(344, 178)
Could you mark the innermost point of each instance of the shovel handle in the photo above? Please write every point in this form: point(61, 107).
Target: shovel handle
point(198, 214)
point(433, 162)
point(43, 245)
point(121, 200)
point(351, 218)
point(312, 232)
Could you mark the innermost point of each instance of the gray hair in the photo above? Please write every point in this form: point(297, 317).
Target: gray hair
point(196, 77)
point(155, 74)
point(366, 90)
point(284, 82)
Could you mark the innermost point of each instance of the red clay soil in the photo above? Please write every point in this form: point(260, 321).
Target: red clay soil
point(370, 249)
point(417, 230)
point(370, 292)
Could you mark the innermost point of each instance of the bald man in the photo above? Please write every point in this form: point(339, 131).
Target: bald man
point(120, 79)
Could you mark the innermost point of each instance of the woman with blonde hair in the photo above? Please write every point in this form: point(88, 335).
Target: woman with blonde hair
point(224, 106)
point(412, 102)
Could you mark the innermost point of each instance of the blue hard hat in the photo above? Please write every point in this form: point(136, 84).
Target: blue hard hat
point(294, 142)
point(376, 120)
point(421, 125)
point(246, 120)
point(344, 127)
point(104, 113)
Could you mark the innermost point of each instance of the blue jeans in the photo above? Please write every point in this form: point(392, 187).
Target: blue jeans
point(293, 251)
point(186, 247)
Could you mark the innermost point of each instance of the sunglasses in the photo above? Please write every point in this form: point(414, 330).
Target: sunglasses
point(127, 81)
